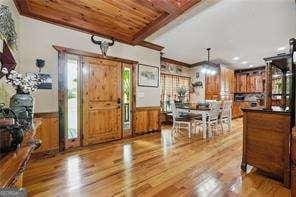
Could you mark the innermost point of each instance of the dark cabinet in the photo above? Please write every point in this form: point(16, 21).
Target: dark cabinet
point(212, 87)
point(221, 85)
point(254, 84)
point(249, 83)
point(241, 83)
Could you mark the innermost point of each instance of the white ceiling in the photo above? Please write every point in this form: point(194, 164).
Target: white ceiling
point(248, 29)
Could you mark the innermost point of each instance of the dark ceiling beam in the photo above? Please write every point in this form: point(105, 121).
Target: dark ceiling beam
point(203, 63)
point(164, 20)
point(151, 46)
point(176, 62)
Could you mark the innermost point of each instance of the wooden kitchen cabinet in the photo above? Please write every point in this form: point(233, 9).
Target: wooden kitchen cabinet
point(254, 84)
point(212, 90)
point(259, 86)
point(237, 108)
point(221, 85)
point(241, 83)
point(227, 81)
point(250, 81)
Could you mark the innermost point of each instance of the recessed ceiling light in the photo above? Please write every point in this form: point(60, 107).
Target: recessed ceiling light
point(281, 48)
point(244, 62)
point(251, 65)
point(235, 58)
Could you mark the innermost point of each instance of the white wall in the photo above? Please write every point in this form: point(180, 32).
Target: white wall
point(37, 39)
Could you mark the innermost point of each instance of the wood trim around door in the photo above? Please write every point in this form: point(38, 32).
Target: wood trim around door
point(62, 90)
point(90, 54)
point(62, 51)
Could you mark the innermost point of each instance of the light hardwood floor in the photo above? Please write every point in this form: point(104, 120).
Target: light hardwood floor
point(152, 165)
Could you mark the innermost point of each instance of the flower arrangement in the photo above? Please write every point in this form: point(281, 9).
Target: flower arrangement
point(26, 83)
point(181, 91)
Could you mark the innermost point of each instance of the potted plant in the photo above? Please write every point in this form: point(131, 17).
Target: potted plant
point(181, 92)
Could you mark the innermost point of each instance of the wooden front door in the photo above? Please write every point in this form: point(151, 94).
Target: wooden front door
point(101, 100)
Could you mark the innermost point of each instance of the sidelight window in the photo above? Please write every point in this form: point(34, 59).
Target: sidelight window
point(72, 99)
point(126, 87)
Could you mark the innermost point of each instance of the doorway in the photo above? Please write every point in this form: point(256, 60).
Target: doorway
point(102, 100)
point(96, 99)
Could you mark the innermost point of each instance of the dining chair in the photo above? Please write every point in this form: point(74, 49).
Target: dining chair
point(198, 124)
point(226, 115)
point(179, 121)
point(213, 119)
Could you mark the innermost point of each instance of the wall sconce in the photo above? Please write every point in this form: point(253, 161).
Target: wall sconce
point(293, 49)
point(40, 63)
point(197, 75)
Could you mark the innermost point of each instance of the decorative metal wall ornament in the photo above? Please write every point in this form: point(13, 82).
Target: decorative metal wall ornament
point(104, 45)
point(7, 27)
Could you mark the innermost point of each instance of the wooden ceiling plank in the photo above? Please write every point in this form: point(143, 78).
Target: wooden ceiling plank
point(85, 28)
point(85, 16)
point(139, 11)
point(90, 22)
point(110, 10)
point(128, 21)
point(164, 5)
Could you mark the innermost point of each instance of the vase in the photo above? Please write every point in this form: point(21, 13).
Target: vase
point(23, 106)
point(181, 99)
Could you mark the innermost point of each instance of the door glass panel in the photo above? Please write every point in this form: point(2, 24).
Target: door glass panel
point(126, 98)
point(72, 99)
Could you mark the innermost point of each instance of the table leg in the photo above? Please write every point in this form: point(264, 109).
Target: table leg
point(204, 125)
point(189, 131)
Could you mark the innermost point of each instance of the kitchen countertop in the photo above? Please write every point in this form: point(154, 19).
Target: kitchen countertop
point(247, 101)
point(275, 109)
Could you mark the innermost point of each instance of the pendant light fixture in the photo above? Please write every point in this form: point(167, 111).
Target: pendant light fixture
point(209, 67)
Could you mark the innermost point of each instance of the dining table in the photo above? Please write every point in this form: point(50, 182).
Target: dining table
point(196, 109)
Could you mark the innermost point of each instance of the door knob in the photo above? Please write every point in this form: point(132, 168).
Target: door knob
point(119, 102)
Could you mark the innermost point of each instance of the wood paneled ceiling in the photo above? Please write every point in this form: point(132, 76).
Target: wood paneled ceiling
point(129, 21)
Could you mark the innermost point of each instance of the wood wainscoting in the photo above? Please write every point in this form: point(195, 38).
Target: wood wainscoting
point(48, 132)
point(146, 119)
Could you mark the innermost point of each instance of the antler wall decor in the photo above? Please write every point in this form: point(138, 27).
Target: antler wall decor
point(104, 45)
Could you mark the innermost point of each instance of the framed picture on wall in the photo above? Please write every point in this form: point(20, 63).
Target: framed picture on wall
point(46, 81)
point(148, 76)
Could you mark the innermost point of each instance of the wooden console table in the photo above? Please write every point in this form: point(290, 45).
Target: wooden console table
point(266, 142)
point(293, 162)
point(14, 163)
